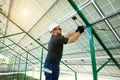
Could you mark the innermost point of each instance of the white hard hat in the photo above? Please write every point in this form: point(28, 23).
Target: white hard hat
point(52, 26)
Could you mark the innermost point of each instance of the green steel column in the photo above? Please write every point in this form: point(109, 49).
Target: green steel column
point(75, 75)
point(14, 65)
point(41, 63)
point(92, 51)
point(26, 66)
point(90, 38)
point(95, 34)
point(14, 68)
point(19, 66)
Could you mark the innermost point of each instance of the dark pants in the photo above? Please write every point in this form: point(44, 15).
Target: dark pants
point(51, 71)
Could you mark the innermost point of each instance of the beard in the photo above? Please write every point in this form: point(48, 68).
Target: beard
point(59, 34)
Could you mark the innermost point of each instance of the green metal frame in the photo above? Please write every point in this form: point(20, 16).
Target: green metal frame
point(41, 57)
point(26, 66)
point(14, 63)
point(16, 52)
point(33, 39)
point(70, 69)
point(92, 31)
point(103, 65)
point(91, 41)
point(92, 51)
point(15, 60)
point(19, 66)
point(106, 49)
point(6, 46)
point(11, 35)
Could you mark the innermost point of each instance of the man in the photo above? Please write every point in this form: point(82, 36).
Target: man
point(55, 49)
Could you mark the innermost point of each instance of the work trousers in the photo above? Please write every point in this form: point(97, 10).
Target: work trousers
point(51, 71)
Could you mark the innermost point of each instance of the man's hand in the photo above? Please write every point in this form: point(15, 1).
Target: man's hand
point(80, 29)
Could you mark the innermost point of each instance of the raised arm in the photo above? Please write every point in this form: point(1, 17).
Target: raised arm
point(70, 34)
point(72, 37)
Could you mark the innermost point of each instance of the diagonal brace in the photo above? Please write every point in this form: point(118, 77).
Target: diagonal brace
point(95, 34)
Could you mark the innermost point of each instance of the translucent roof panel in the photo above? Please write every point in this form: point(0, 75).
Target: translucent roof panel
point(24, 30)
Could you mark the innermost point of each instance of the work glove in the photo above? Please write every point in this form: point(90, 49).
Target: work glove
point(80, 29)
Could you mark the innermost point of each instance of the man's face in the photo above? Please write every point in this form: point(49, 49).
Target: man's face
point(58, 31)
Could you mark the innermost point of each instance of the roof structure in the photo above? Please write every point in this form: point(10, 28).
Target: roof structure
point(24, 34)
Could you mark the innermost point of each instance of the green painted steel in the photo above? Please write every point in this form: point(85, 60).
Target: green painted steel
point(29, 36)
point(17, 53)
point(26, 66)
point(68, 66)
point(79, 12)
point(41, 63)
point(95, 34)
point(14, 69)
point(90, 30)
point(75, 75)
point(90, 38)
point(70, 69)
point(106, 49)
point(6, 46)
point(19, 66)
point(14, 65)
point(23, 30)
point(92, 51)
point(11, 35)
point(25, 50)
point(104, 65)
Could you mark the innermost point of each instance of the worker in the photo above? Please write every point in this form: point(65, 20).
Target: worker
point(55, 49)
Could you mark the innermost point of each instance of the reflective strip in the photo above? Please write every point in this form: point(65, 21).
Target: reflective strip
point(47, 70)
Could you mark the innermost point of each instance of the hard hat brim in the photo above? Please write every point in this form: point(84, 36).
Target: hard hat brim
point(53, 26)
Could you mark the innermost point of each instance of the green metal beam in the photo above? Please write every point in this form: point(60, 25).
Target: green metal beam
point(6, 46)
point(76, 76)
point(106, 49)
point(104, 65)
point(41, 57)
point(67, 66)
point(26, 66)
point(23, 49)
point(18, 54)
point(79, 12)
point(11, 35)
point(90, 38)
point(93, 59)
point(95, 34)
point(13, 55)
point(90, 30)
point(70, 69)
point(19, 66)
point(14, 68)
point(105, 18)
point(28, 35)
point(23, 30)
point(3, 51)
